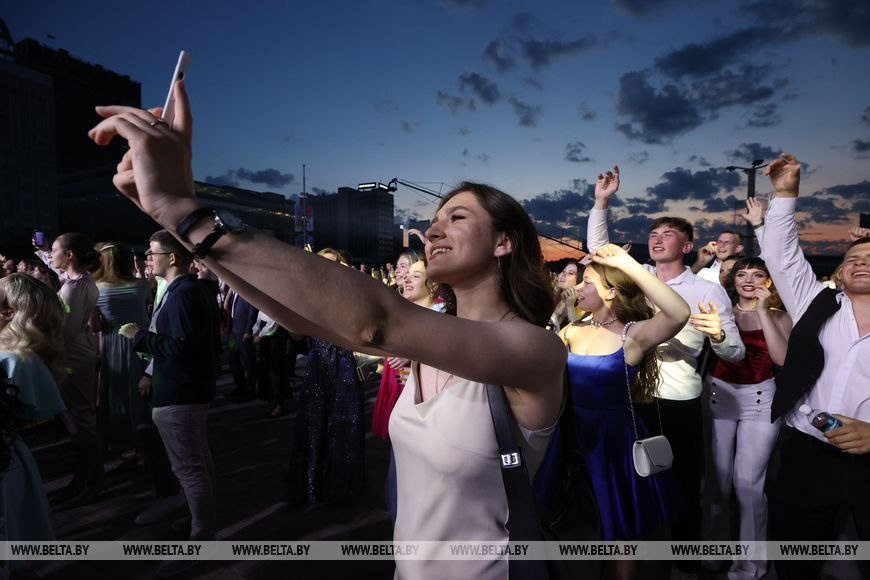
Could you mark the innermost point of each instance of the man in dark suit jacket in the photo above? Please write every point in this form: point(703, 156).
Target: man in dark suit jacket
point(241, 355)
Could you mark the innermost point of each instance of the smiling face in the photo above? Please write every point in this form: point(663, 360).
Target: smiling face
point(668, 244)
point(856, 269)
point(728, 244)
point(593, 294)
point(568, 276)
point(415, 282)
point(461, 242)
point(747, 280)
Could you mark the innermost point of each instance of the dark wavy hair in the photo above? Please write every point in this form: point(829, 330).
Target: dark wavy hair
point(82, 247)
point(525, 284)
point(752, 263)
point(630, 304)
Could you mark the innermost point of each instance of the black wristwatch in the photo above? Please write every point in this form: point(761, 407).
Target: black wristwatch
point(224, 222)
point(191, 220)
point(719, 339)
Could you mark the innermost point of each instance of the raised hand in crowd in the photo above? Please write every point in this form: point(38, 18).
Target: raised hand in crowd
point(857, 233)
point(853, 437)
point(605, 186)
point(705, 254)
point(708, 321)
point(785, 175)
point(754, 212)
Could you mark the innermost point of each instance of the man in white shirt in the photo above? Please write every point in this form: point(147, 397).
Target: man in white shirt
point(678, 396)
point(820, 473)
point(728, 244)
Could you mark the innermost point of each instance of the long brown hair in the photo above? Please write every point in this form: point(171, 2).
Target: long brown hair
point(116, 263)
point(82, 248)
point(524, 281)
point(752, 263)
point(630, 305)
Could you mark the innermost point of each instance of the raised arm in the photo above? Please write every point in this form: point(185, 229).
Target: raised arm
point(312, 295)
point(606, 186)
point(780, 245)
point(673, 312)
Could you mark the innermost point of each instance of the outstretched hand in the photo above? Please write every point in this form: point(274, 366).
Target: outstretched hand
point(155, 173)
point(708, 320)
point(785, 175)
point(607, 183)
point(754, 212)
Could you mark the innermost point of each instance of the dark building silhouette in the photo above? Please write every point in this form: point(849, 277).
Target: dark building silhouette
point(54, 178)
point(360, 222)
point(27, 151)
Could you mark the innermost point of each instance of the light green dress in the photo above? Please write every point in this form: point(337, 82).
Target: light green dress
point(24, 510)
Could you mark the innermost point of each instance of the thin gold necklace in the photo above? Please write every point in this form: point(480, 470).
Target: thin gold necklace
point(597, 324)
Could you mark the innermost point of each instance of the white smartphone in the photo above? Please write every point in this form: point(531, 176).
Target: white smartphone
point(179, 74)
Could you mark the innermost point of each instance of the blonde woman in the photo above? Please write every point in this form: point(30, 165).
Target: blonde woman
point(31, 356)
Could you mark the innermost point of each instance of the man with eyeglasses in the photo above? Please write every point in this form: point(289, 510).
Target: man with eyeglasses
point(185, 344)
point(728, 244)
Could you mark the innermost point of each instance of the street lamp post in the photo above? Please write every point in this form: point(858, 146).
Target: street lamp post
point(749, 236)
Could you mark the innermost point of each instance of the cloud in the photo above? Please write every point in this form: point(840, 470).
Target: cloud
point(539, 53)
point(484, 157)
point(639, 157)
point(554, 212)
point(527, 114)
point(700, 160)
point(497, 54)
point(484, 88)
point(861, 149)
point(464, 131)
point(454, 103)
point(386, 106)
point(586, 113)
point(866, 116)
point(533, 82)
point(320, 191)
point(847, 20)
point(574, 152)
point(749, 152)
point(850, 191)
point(745, 86)
point(681, 183)
point(764, 116)
point(655, 116)
point(642, 7)
point(717, 204)
point(701, 60)
point(408, 126)
point(633, 228)
point(644, 205)
point(522, 21)
point(269, 177)
point(823, 209)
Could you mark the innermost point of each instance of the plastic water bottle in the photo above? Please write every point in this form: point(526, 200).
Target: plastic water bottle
point(821, 420)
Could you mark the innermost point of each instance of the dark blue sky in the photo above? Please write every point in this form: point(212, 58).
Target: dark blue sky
point(534, 97)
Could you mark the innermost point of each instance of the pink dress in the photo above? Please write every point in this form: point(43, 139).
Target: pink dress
point(388, 394)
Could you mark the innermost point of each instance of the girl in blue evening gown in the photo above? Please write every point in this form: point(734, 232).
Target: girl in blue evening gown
point(619, 339)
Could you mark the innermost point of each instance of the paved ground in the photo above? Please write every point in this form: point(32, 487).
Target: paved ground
point(251, 453)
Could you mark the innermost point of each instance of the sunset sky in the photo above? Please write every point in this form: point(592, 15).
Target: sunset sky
point(533, 97)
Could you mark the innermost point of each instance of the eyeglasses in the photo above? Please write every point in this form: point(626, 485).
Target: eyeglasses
point(150, 253)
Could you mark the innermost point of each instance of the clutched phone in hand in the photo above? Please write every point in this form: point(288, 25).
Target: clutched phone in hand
point(38, 238)
point(180, 73)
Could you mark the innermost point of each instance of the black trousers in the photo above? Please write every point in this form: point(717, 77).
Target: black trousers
point(815, 480)
point(681, 424)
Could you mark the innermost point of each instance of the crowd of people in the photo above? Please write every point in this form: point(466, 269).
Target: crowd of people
point(731, 358)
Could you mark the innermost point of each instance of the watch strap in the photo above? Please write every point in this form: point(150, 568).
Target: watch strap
point(202, 249)
point(185, 225)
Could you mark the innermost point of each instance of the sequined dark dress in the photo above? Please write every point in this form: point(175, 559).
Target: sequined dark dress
point(631, 507)
point(328, 459)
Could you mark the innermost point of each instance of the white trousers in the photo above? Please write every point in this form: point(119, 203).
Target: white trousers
point(738, 445)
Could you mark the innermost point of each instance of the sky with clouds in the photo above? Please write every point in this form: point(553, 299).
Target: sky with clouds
point(533, 97)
